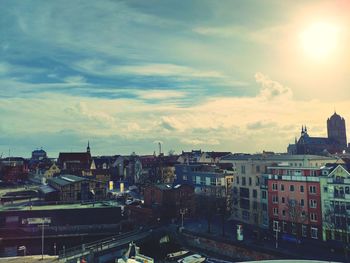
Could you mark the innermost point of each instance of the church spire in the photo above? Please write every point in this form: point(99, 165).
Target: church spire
point(88, 147)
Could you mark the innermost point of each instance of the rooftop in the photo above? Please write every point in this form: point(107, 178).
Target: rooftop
point(276, 157)
point(66, 179)
point(59, 206)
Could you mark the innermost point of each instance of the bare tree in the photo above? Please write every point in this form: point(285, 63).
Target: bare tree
point(297, 216)
point(335, 221)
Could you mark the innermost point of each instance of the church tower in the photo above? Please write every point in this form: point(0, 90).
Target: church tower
point(88, 147)
point(336, 129)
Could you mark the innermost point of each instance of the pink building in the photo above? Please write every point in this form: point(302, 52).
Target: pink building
point(294, 201)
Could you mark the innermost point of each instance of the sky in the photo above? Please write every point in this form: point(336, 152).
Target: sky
point(238, 76)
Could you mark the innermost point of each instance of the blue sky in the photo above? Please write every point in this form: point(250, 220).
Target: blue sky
point(214, 75)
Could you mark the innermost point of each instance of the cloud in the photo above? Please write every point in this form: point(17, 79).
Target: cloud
point(108, 68)
point(168, 70)
point(258, 125)
point(160, 94)
point(272, 89)
point(266, 35)
point(74, 79)
point(197, 141)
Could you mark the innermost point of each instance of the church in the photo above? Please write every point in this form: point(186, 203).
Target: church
point(334, 143)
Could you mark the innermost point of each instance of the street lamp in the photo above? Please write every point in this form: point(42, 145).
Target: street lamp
point(183, 211)
point(277, 229)
point(43, 221)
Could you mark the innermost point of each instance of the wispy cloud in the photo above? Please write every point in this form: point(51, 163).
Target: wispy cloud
point(267, 35)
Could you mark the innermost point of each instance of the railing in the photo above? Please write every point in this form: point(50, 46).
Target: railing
point(34, 231)
point(103, 244)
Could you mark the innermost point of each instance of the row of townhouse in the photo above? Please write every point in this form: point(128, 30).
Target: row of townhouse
point(304, 196)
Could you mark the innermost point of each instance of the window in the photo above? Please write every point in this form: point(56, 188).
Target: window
point(256, 219)
point(213, 181)
point(237, 180)
point(257, 168)
point(245, 215)
point(347, 190)
point(302, 203)
point(250, 181)
point(257, 181)
point(284, 227)
point(301, 189)
point(243, 181)
point(325, 189)
point(313, 203)
point(264, 207)
point(184, 177)
point(244, 192)
point(314, 233)
point(263, 194)
point(255, 205)
point(291, 188)
point(275, 199)
point(274, 186)
point(283, 200)
point(242, 169)
point(313, 217)
point(235, 190)
point(283, 213)
point(255, 193)
point(275, 211)
point(282, 187)
point(304, 231)
point(294, 228)
point(312, 189)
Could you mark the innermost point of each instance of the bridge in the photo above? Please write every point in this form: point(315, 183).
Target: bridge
point(112, 246)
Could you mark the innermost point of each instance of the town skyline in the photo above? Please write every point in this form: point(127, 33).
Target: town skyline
point(194, 75)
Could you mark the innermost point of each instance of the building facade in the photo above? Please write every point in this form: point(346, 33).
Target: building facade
point(335, 189)
point(249, 184)
point(73, 188)
point(294, 202)
point(206, 179)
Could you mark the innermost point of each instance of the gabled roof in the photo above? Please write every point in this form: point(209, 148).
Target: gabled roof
point(217, 154)
point(66, 179)
point(99, 161)
point(82, 157)
point(339, 168)
point(46, 189)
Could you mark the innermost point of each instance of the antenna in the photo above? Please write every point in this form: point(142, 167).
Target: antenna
point(160, 148)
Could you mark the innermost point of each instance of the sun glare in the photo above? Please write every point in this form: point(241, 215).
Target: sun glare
point(319, 40)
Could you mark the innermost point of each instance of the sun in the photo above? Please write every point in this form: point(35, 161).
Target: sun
point(320, 40)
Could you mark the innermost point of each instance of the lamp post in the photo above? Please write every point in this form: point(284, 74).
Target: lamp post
point(276, 229)
point(43, 221)
point(183, 211)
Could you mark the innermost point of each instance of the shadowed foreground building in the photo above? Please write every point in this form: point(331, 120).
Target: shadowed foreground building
point(74, 188)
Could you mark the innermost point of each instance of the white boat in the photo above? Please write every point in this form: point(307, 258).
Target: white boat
point(195, 258)
point(177, 254)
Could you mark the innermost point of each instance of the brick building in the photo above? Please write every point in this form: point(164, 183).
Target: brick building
point(170, 200)
point(294, 201)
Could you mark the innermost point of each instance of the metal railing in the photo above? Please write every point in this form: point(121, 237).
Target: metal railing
point(103, 244)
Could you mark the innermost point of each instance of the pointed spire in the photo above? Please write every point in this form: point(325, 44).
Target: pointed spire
point(88, 147)
point(305, 130)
